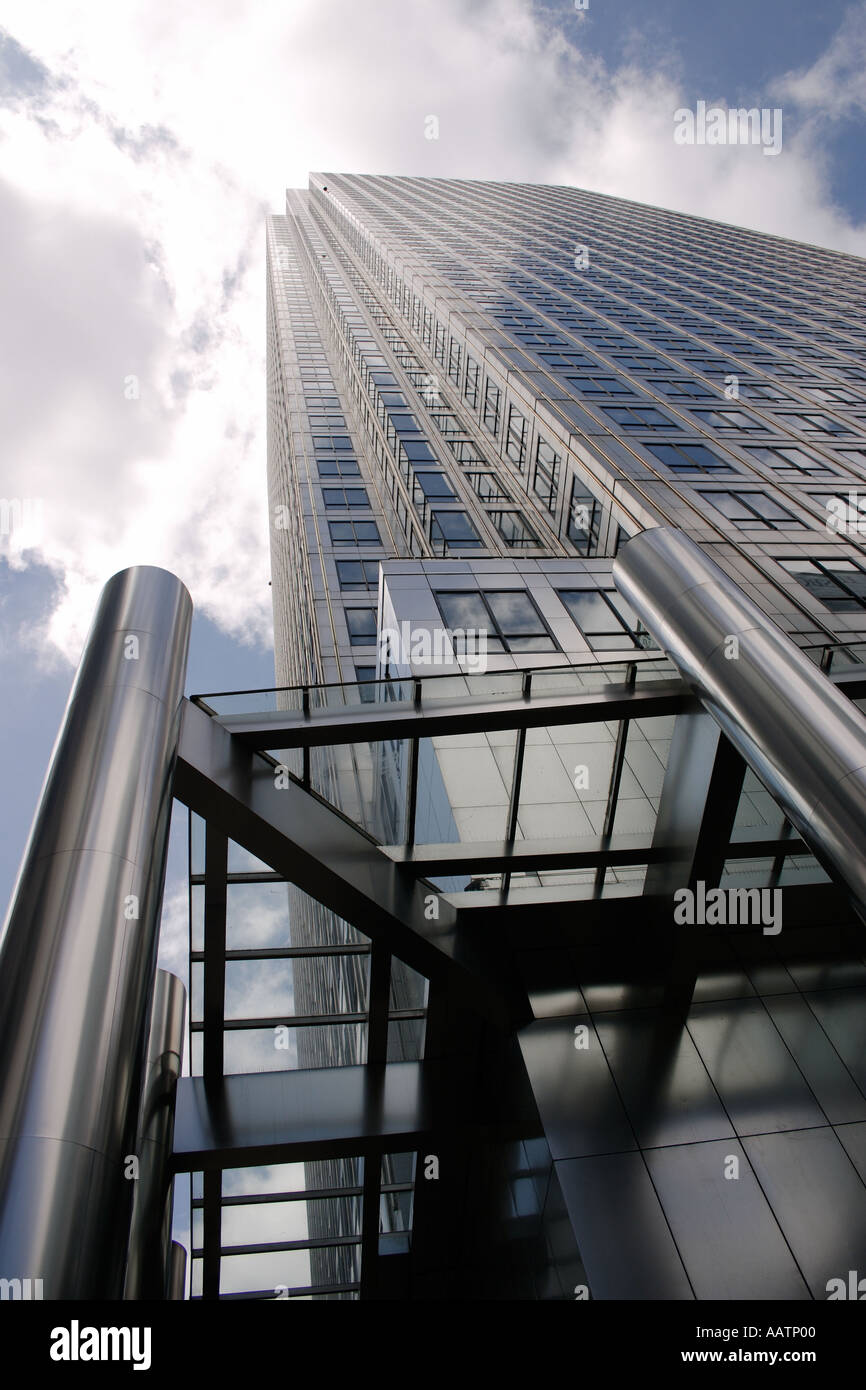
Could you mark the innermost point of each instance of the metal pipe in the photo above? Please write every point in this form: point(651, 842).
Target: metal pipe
point(177, 1273)
point(804, 739)
point(148, 1270)
point(78, 954)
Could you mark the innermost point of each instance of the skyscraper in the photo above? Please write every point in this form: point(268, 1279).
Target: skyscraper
point(526, 913)
point(477, 393)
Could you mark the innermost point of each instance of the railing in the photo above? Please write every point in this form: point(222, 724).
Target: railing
point(638, 667)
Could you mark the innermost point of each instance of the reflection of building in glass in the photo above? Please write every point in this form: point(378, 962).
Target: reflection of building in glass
point(465, 428)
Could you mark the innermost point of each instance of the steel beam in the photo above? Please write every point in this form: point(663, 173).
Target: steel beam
point(367, 723)
point(340, 866)
point(297, 1116)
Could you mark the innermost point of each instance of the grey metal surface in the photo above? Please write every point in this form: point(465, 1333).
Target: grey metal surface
point(76, 966)
point(574, 1088)
point(621, 1230)
point(291, 1116)
point(818, 1201)
point(760, 1084)
point(803, 737)
point(725, 1230)
point(149, 1267)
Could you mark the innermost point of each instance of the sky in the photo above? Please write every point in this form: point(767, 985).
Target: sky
point(141, 147)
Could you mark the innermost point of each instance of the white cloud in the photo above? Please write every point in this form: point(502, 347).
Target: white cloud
point(136, 169)
point(835, 84)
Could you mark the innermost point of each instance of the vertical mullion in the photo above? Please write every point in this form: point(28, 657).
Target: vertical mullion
point(215, 895)
point(612, 797)
point(212, 1235)
point(377, 1018)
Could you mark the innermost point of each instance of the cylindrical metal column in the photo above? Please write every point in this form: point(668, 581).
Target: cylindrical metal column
point(177, 1273)
point(148, 1269)
point(804, 739)
point(78, 954)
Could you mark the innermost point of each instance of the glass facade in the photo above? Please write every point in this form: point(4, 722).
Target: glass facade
point(463, 429)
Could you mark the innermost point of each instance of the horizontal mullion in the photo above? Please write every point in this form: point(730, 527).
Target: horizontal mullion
point(237, 1025)
point(233, 1025)
point(310, 1194)
point(301, 1291)
point(250, 876)
point(289, 952)
point(276, 1247)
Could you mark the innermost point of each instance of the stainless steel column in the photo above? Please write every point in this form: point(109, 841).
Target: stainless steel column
point(177, 1273)
point(148, 1270)
point(78, 954)
point(804, 739)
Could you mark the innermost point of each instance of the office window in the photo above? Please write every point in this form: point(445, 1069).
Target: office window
point(640, 417)
point(417, 451)
point(729, 420)
point(488, 487)
point(678, 388)
point(361, 623)
point(790, 463)
point(513, 528)
point(633, 363)
point(762, 392)
point(323, 421)
point(567, 361)
point(358, 574)
point(455, 354)
point(515, 442)
point(365, 675)
point(345, 497)
point(818, 424)
point(690, 458)
point(753, 511)
point(338, 468)
point(848, 514)
point(601, 385)
point(354, 533)
point(404, 423)
point(492, 396)
point(786, 369)
point(605, 619)
point(434, 485)
point(584, 519)
point(470, 389)
point(327, 443)
point(545, 482)
point(452, 530)
point(839, 584)
point(509, 617)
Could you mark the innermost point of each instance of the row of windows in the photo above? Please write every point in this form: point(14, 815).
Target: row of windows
point(514, 624)
point(456, 530)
